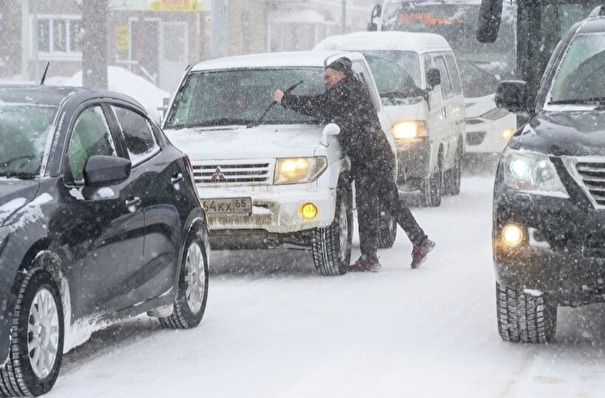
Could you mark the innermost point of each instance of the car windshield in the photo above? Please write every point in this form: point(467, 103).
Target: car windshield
point(581, 74)
point(23, 133)
point(394, 70)
point(241, 96)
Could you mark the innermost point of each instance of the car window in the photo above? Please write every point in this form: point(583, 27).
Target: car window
point(24, 131)
point(91, 136)
point(455, 75)
point(408, 61)
point(446, 83)
point(138, 135)
point(241, 96)
point(582, 72)
point(389, 76)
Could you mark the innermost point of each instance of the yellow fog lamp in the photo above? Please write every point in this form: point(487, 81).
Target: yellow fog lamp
point(507, 133)
point(512, 235)
point(308, 211)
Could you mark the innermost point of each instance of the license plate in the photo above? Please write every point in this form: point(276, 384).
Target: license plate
point(228, 206)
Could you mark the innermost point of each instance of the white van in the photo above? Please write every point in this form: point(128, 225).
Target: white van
point(419, 84)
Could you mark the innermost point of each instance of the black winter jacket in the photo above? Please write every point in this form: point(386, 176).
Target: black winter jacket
point(348, 104)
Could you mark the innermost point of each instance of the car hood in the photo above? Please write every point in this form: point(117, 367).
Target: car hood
point(569, 133)
point(14, 194)
point(239, 142)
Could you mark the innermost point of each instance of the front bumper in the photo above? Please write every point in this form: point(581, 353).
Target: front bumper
point(275, 209)
point(563, 247)
point(413, 158)
point(485, 136)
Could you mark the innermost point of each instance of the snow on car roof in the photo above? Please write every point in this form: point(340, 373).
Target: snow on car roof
point(376, 41)
point(279, 59)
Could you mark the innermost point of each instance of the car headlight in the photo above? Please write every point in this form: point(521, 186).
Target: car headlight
point(298, 170)
point(533, 172)
point(409, 130)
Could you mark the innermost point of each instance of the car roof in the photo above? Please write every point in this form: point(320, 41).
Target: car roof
point(54, 95)
point(385, 41)
point(278, 59)
point(592, 24)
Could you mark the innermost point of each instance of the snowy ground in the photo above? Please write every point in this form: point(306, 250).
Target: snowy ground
point(275, 328)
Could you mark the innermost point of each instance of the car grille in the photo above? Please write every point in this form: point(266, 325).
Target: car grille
point(593, 178)
point(232, 173)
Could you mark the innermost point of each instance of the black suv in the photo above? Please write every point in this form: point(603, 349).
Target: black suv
point(549, 194)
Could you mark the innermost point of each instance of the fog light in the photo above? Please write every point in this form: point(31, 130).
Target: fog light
point(507, 133)
point(308, 211)
point(512, 235)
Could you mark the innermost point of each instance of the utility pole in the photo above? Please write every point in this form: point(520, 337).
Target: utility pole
point(344, 16)
point(218, 28)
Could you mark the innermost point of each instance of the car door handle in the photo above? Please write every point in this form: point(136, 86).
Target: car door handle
point(176, 178)
point(133, 202)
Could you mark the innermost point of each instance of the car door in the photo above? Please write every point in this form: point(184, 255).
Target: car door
point(157, 175)
point(102, 226)
point(447, 107)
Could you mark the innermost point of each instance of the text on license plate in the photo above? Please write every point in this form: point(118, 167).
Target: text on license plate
point(228, 206)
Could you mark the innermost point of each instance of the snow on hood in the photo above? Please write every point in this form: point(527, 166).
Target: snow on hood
point(239, 142)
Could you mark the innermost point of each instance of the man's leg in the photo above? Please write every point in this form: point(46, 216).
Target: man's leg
point(368, 213)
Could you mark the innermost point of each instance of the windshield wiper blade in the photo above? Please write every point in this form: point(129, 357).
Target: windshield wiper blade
point(20, 175)
point(222, 121)
point(592, 101)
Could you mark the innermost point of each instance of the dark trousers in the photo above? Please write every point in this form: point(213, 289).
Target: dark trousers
point(373, 189)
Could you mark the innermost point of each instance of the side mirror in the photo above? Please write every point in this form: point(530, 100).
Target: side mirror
point(510, 95)
point(106, 170)
point(490, 15)
point(433, 78)
point(376, 12)
point(331, 129)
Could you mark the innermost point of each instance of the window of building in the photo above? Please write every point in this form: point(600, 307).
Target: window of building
point(58, 36)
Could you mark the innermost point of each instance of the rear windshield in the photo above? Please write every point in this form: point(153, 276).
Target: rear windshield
point(241, 96)
point(24, 130)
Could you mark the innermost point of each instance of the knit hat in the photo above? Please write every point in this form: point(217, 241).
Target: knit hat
point(342, 64)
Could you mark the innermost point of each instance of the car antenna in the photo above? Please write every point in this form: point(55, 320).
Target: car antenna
point(44, 74)
point(260, 119)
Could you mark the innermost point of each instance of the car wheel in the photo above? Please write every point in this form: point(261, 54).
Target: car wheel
point(387, 230)
point(525, 318)
point(192, 290)
point(431, 189)
point(331, 246)
point(452, 179)
point(37, 334)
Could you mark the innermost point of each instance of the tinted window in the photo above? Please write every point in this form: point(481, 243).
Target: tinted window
point(90, 136)
point(138, 134)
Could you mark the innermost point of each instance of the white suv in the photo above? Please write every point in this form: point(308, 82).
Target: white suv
point(269, 176)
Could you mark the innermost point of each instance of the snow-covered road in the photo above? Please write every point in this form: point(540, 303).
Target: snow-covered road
point(275, 328)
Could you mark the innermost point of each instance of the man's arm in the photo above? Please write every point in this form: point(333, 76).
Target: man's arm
point(316, 106)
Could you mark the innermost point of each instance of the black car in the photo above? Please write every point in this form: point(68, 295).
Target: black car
point(99, 220)
point(549, 192)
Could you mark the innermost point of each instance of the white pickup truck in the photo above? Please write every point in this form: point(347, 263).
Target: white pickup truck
point(269, 176)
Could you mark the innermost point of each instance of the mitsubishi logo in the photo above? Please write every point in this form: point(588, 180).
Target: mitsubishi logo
point(217, 176)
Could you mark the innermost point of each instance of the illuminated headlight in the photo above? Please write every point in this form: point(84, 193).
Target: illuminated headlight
point(532, 172)
point(409, 130)
point(512, 235)
point(298, 170)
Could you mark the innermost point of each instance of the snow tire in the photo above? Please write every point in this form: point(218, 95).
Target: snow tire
point(37, 335)
point(331, 246)
point(525, 318)
point(431, 189)
point(192, 290)
point(453, 176)
point(387, 229)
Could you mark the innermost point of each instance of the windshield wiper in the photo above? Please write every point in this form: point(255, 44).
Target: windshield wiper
point(221, 121)
point(20, 175)
point(590, 101)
